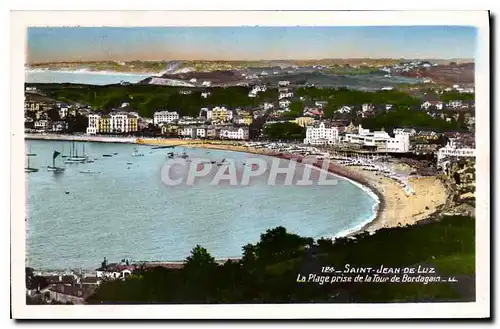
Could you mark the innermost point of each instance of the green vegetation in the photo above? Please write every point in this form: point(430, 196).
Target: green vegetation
point(456, 96)
point(267, 272)
point(296, 110)
point(284, 131)
point(401, 118)
point(147, 99)
point(347, 70)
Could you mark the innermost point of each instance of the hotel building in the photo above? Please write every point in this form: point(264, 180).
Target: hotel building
point(380, 141)
point(165, 117)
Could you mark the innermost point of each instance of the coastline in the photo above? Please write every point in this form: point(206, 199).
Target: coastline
point(394, 207)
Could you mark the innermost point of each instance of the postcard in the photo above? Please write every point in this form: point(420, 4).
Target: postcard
point(273, 164)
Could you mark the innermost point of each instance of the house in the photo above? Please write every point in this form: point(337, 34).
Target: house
point(218, 114)
point(454, 149)
point(367, 108)
point(74, 294)
point(321, 133)
point(63, 112)
point(404, 131)
point(285, 95)
point(57, 126)
point(313, 111)
point(213, 132)
point(241, 133)
point(304, 121)
point(165, 117)
point(284, 104)
point(427, 104)
point(114, 270)
point(243, 119)
point(187, 132)
point(41, 124)
point(454, 104)
point(201, 132)
point(268, 106)
point(344, 109)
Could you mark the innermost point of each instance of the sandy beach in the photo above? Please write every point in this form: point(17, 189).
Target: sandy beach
point(395, 208)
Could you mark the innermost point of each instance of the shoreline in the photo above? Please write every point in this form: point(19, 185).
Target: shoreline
point(394, 207)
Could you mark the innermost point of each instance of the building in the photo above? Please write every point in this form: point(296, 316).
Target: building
point(243, 119)
point(404, 131)
point(268, 106)
point(63, 112)
point(123, 122)
point(165, 117)
point(187, 132)
point(322, 133)
point(344, 109)
point(240, 133)
point(118, 122)
point(304, 121)
point(380, 141)
point(437, 104)
point(206, 83)
point(284, 104)
point(219, 114)
point(313, 111)
point(454, 149)
point(104, 126)
point(41, 124)
point(201, 132)
point(213, 132)
point(367, 108)
point(285, 95)
point(283, 83)
point(454, 104)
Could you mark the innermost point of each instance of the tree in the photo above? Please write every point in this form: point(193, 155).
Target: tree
point(284, 131)
point(53, 114)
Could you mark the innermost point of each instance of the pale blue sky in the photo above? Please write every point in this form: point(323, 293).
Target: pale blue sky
point(247, 43)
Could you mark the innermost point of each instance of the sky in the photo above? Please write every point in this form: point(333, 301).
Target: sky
point(49, 44)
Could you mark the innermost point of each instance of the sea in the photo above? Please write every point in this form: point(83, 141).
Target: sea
point(82, 77)
point(123, 209)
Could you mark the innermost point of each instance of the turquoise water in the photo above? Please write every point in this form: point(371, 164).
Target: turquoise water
point(125, 212)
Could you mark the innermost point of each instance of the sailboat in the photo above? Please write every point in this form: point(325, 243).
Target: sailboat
point(30, 154)
point(54, 168)
point(28, 168)
point(74, 158)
